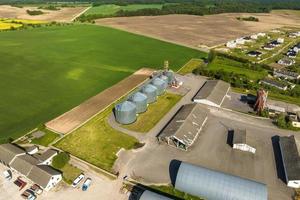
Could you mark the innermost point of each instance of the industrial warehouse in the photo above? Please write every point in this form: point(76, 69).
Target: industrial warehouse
point(291, 161)
point(211, 184)
point(212, 93)
point(183, 129)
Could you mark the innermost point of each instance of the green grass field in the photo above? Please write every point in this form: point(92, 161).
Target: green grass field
point(156, 111)
point(237, 67)
point(97, 142)
point(111, 9)
point(47, 71)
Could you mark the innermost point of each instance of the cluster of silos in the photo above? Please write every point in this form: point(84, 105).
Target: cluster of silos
point(151, 92)
point(140, 100)
point(160, 84)
point(170, 75)
point(125, 112)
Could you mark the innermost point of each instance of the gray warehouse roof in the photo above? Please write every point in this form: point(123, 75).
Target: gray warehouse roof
point(41, 174)
point(239, 136)
point(213, 90)
point(214, 185)
point(290, 157)
point(9, 151)
point(45, 155)
point(148, 195)
point(24, 164)
point(186, 123)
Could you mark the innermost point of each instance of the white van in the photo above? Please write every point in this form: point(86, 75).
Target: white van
point(78, 180)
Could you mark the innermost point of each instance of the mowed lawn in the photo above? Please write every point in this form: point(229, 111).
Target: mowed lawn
point(47, 71)
point(97, 142)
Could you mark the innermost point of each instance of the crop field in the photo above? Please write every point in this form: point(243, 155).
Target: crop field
point(47, 71)
point(201, 31)
point(65, 14)
point(111, 9)
point(6, 24)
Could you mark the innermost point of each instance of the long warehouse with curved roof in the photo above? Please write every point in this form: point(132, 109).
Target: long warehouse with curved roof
point(148, 195)
point(210, 184)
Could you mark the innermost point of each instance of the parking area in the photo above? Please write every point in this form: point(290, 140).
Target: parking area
point(101, 188)
point(212, 151)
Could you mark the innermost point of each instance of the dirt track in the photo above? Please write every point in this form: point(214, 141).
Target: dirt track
point(62, 15)
point(73, 119)
point(199, 31)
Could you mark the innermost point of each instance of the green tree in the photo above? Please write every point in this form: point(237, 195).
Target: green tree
point(60, 160)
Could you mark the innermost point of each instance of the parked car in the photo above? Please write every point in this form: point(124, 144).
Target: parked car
point(28, 194)
point(86, 184)
point(78, 180)
point(20, 183)
point(7, 175)
point(36, 189)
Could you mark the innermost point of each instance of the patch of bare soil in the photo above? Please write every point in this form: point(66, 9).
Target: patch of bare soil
point(62, 15)
point(73, 119)
point(201, 31)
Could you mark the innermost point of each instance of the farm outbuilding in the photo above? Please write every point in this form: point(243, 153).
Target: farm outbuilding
point(150, 91)
point(160, 85)
point(291, 160)
point(8, 152)
point(148, 195)
point(212, 93)
point(240, 141)
point(184, 127)
point(210, 184)
point(140, 101)
point(125, 112)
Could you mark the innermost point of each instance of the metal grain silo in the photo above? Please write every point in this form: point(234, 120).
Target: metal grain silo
point(160, 84)
point(140, 101)
point(170, 75)
point(125, 112)
point(164, 78)
point(150, 91)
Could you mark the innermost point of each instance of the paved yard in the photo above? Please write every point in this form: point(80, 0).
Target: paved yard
point(212, 151)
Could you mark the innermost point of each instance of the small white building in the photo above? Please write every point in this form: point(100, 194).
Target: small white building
point(286, 74)
point(291, 161)
point(239, 141)
point(240, 41)
point(280, 40)
point(46, 157)
point(295, 119)
point(231, 44)
point(286, 61)
point(32, 150)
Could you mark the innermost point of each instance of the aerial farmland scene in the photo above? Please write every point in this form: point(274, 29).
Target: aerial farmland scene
point(150, 100)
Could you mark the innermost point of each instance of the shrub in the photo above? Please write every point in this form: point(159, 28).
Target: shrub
point(60, 160)
point(34, 12)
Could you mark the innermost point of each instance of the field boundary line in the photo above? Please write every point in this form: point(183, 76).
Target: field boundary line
point(23, 136)
point(81, 13)
point(157, 38)
point(86, 121)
